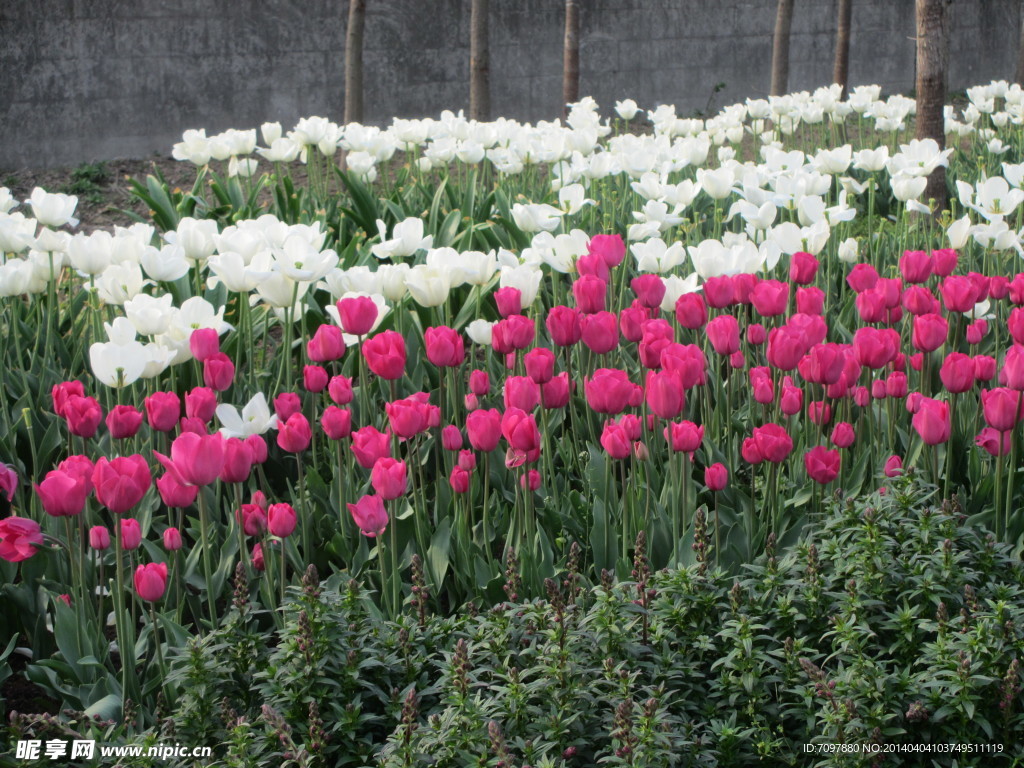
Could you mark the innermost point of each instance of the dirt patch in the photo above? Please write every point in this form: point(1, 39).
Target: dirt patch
point(20, 695)
point(103, 189)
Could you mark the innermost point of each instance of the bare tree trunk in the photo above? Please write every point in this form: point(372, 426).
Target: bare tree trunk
point(841, 70)
point(1018, 76)
point(932, 64)
point(780, 47)
point(479, 61)
point(354, 61)
point(571, 57)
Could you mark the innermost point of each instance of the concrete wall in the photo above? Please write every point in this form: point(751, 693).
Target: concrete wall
point(97, 79)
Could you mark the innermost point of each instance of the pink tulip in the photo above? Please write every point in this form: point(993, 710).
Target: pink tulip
point(295, 434)
point(369, 444)
point(121, 483)
point(340, 390)
point(389, 478)
point(83, 415)
point(204, 343)
point(336, 422)
point(326, 345)
point(62, 494)
point(124, 421)
point(314, 378)
point(444, 346)
point(151, 581)
point(195, 459)
point(822, 464)
point(281, 520)
point(172, 539)
point(932, 421)
point(385, 355)
point(99, 538)
point(19, 536)
point(369, 515)
point(163, 409)
point(358, 314)
point(131, 533)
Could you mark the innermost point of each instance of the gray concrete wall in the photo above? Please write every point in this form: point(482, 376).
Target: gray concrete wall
point(96, 79)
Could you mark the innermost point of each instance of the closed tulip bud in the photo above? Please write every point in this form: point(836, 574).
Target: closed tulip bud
point(62, 494)
point(124, 421)
point(407, 417)
point(1012, 373)
point(163, 409)
point(520, 431)
point(200, 403)
point(281, 520)
point(479, 383)
point(786, 345)
point(389, 478)
point(716, 477)
point(204, 343)
point(61, 392)
point(994, 442)
point(451, 438)
point(1016, 324)
point(444, 346)
point(1001, 407)
point(916, 266)
point(822, 464)
point(286, 404)
point(649, 290)
point(174, 493)
point(555, 393)
point(724, 334)
point(842, 435)
point(513, 333)
point(459, 479)
point(600, 332)
point(875, 348)
point(944, 262)
point(609, 391)
point(998, 286)
point(930, 332)
point(615, 441)
point(981, 284)
point(896, 384)
point(687, 361)
point(719, 292)
point(803, 267)
point(871, 306)
point(792, 400)
point(122, 482)
point(819, 412)
point(340, 390)
point(99, 538)
point(385, 355)
point(369, 515)
point(756, 334)
point(257, 558)
point(743, 286)
point(862, 277)
point(83, 415)
point(467, 460)
point(590, 265)
point(773, 442)
point(610, 248)
point(976, 332)
point(691, 311)
point(530, 480)
point(253, 519)
point(958, 294)
point(957, 372)
point(484, 429)
point(131, 533)
point(563, 324)
point(172, 539)
point(684, 436)
point(258, 445)
point(763, 389)
point(358, 315)
point(984, 367)
point(590, 293)
point(750, 451)
point(861, 397)
point(314, 378)
point(631, 322)
point(336, 422)
point(917, 361)
point(295, 434)
point(509, 301)
point(151, 581)
point(326, 345)
point(632, 424)
point(932, 421)
point(893, 466)
point(810, 301)
point(918, 300)
point(218, 372)
point(237, 461)
point(878, 391)
point(540, 364)
point(770, 297)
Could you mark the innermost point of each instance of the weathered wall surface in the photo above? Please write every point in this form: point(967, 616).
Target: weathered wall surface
point(96, 79)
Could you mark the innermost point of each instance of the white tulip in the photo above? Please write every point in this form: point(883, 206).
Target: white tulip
point(479, 332)
point(150, 315)
point(117, 365)
point(255, 418)
point(53, 209)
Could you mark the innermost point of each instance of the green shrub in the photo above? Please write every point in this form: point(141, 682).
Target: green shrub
point(894, 625)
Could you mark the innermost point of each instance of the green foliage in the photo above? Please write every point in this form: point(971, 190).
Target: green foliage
point(87, 181)
point(894, 624)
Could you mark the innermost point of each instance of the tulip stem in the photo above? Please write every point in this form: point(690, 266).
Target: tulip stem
point(159, 653)
point(284, 572)
point(307, 551)
point(207, 571)
point(243, 552)
point(125, 633)
point(1000, 460)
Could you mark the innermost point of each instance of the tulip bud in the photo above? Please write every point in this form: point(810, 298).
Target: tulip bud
point(172, 539)
point(99, 537)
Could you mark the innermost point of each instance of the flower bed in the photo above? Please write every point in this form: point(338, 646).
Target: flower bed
point(512, 341)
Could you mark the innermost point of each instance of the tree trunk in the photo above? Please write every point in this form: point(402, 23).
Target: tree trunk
point(780, 47)
point(354, 61)
point(932, 63)
point(571, 57)
point(1018, 76)
point(841, 69)
point(479, 61)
